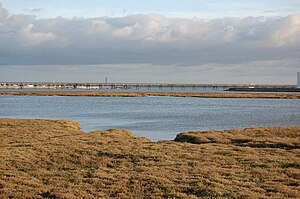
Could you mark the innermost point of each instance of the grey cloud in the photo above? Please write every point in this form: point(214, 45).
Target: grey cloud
point(283, 72)
point(142, 39)
point(35, 10)
point(271, 11)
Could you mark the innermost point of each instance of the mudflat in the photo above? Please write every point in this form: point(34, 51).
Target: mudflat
point(145, 94)
point(54, 159)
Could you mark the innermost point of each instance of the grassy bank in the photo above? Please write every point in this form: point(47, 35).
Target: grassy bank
point(145, 94)
point(54, 159)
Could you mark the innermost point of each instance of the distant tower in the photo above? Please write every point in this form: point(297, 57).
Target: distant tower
point(105, 81)
point(298, 80)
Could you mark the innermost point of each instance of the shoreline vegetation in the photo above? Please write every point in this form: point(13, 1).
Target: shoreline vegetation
point(146, 94)
point(54, 159)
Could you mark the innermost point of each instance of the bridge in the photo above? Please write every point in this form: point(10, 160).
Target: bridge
point(131, 86)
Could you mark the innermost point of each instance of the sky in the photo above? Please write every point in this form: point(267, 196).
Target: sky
point(170, 41)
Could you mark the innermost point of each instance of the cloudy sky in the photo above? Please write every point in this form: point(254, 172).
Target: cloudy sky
point(176, 41)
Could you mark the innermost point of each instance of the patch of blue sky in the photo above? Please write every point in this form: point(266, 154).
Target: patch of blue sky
point(170, 8)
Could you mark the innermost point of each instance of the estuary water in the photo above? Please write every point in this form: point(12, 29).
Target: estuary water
point(158, 118)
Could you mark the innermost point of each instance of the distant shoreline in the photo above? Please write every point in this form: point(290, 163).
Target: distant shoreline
point(265, 89)
point(146, 94)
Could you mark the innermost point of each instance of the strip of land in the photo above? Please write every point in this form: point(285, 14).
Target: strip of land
point(145, 94)
point(265, 89)
point(54, 159)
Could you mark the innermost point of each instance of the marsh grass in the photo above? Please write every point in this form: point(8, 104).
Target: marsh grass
point(54, 159)
point(145, 94)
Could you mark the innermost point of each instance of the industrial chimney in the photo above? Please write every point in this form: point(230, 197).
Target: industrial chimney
point(298, 80)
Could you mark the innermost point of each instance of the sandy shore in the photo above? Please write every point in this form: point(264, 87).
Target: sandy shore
point(54, 159)
point(145, 94)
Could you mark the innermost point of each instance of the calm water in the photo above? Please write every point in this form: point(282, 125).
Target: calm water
point(155, 117)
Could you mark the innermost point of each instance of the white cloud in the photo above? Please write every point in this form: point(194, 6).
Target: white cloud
point(288, 30)
point(3, 13)
point(30, 38)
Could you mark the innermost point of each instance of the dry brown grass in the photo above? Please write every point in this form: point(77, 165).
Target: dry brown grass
point(263, 137)
point(145, 94)
point(54, 159)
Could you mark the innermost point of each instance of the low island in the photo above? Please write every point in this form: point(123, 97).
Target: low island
point(55, 159)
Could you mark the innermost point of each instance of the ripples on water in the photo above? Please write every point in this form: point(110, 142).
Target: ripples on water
point(155, 117)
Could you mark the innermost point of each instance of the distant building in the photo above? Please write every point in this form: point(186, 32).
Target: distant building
point(298, 80)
